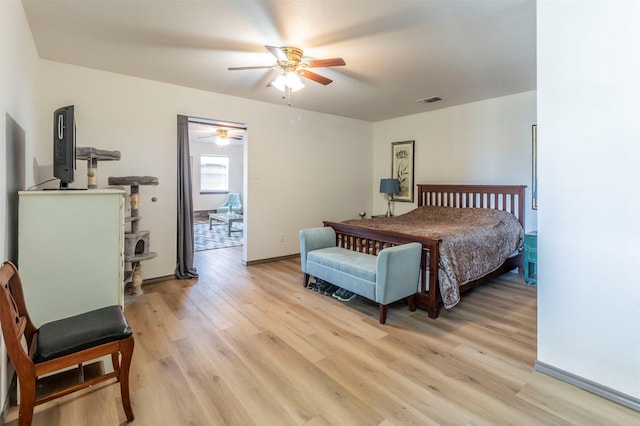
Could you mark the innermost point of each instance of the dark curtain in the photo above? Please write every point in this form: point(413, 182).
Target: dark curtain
point(184, 266)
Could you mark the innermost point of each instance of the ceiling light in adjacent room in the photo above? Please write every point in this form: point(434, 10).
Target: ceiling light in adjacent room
point(221, 137)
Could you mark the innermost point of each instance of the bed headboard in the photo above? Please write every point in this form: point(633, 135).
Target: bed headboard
point(509, 198)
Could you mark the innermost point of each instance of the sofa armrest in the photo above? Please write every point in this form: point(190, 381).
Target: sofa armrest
point(397, 272)
point(314, 239)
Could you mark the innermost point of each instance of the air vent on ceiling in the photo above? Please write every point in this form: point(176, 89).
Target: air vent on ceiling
point(430, 100)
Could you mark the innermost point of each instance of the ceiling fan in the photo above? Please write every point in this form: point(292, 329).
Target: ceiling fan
point(224, 136)
point(292, 67)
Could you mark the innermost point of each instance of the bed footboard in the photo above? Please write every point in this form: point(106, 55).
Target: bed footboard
point(371, 241)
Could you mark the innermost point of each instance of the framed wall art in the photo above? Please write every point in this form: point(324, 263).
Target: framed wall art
point(402, 163)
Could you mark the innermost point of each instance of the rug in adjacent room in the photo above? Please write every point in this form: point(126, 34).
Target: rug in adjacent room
point(205, 239)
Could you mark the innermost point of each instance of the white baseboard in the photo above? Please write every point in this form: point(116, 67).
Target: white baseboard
point(588, 385)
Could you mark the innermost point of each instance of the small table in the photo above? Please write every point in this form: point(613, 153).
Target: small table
point(228, 218)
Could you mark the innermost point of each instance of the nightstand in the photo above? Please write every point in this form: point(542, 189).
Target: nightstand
point(531, 258)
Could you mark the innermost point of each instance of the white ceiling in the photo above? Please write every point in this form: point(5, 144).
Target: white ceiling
point(396, 51)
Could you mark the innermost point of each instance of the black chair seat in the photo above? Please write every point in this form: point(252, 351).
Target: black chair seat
point(80, 332)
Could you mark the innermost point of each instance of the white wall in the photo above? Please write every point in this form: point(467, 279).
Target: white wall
point(19, 61)
point(589, 190)
point(487, 142)
point(303, 167)
point(202, 202)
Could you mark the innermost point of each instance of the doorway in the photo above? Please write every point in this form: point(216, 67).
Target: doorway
point(217, 176)
point(185, 208)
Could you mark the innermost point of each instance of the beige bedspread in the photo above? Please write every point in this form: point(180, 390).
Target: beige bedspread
point(474, 241)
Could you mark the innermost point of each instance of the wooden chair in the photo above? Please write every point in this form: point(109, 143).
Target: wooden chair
point(61, 344)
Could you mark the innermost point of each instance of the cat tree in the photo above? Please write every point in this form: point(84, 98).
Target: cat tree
point(136, 243)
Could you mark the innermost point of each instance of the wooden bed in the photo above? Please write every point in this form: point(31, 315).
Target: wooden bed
point(508, 198)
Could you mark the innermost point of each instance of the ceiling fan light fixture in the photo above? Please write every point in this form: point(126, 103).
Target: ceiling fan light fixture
point(279, 83)
point(289, 80)
point(293, 81)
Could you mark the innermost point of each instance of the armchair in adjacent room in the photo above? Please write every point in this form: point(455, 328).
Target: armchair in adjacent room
point(233, 203)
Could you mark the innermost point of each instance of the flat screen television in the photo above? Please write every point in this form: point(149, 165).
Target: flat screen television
point(64, 145)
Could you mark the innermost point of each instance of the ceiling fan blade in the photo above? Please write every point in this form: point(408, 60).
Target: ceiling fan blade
point(313, 76)
point(259, 67)
point(278, 53)
point(320, 63)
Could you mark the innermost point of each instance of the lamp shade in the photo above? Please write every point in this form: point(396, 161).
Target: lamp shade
point(279, 82)
point(290, 80)
point(389, 186)
point(293, 81)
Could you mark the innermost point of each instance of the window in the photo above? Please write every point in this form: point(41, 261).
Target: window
point(214, 173)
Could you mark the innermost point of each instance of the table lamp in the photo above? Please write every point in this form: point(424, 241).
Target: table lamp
point(389, 187)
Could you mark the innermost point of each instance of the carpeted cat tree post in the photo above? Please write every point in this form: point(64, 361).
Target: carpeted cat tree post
point(136, 242)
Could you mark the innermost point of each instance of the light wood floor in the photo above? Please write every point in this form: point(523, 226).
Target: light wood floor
point(251, 346)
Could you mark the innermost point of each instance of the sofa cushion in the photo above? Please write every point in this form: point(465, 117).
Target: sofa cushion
point(350, 262)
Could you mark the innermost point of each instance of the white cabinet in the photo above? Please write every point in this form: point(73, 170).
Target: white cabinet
point(71, 251)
